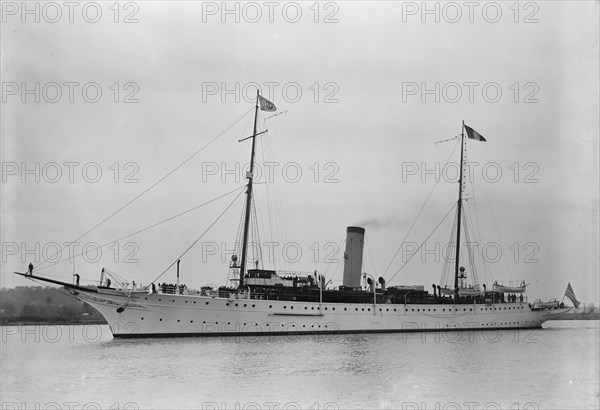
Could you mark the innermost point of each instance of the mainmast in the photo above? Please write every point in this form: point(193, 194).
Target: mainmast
point(460, 189)
point(249, 176)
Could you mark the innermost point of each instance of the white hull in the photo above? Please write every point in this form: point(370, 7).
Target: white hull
point(160, 315)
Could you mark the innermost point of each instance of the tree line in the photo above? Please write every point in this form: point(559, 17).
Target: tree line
point(40, 304)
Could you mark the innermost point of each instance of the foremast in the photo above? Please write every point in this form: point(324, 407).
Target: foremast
point(459, 212)
point(250, 177)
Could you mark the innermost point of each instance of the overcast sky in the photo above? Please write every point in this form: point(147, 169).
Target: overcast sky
point(366, 90)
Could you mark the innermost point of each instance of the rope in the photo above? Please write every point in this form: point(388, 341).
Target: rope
point(200, 237)
point(422, 243)
point(146, 228)
point(151, 186)
point(418, 215)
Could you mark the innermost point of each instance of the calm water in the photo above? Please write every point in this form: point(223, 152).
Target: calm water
point(78, 367)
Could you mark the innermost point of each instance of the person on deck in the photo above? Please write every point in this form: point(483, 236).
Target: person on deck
point(30, 269)
point(76, 279)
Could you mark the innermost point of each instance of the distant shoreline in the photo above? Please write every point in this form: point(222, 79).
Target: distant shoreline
point(578, 316)
point(51, 322)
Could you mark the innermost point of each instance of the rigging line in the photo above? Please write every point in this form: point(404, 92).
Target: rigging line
point(262, 149)
point(276, 213)
point(146, 228)
point(417, 217)
point(422, 243)
point(200, 237)
point(153, 185)
point(371, 257)
point(473, 209)
point(333, 257)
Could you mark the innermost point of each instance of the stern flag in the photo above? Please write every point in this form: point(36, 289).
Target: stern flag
point(571, 295)
point(474, 135)
point(265, 104)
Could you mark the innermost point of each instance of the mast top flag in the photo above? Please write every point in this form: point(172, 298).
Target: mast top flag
point(474, 135)
point(265, 104)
